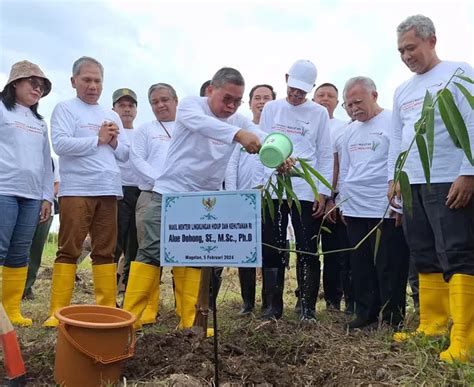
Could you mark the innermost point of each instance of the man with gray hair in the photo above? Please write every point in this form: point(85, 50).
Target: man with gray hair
point(440, 231)
point(379, 277)
point(88, 140)
point(205, 134)
point(148, 154)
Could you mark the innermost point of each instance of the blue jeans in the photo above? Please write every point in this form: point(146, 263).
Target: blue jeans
point(20, 216)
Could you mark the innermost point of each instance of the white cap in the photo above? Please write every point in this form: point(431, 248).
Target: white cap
point(302, 75)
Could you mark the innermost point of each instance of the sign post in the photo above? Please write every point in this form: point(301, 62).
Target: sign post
point(209, 229)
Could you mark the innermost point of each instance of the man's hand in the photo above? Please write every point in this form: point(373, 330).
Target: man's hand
point(248, 140)
point(319, 206)
point(107, 132)
point(343, 220)
point(45, 211)
point(398, 219)
point(114, 142)
point(460, 193)
point(394, 192)
point(331, 210)
point(286, 166)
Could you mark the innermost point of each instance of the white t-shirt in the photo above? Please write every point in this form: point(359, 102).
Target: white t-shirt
point(337, 128)
point(200, 148)
point(307, 125)
point(86, 168)
point(244, 171)
point(129, 176)
point(148, 151)
point(25, 156)
point(362, 178)
point(449, 162)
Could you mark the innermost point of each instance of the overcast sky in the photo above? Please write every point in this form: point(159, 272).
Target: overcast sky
point(185, 42)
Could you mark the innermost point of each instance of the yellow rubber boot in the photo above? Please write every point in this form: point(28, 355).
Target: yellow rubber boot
point(461, 298)
point(192, 279)
point(434, 307)
point(14, 279)
point(153, 306)
point(140, 284)
point(105, 284)
point(61, 290)
point(178, 280)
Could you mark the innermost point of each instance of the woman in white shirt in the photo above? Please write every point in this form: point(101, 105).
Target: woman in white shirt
point(26, 178)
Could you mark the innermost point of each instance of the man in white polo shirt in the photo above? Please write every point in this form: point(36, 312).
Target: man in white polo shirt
point(307, 125)
point(205, 135)
point(440, 232)
point(87, 139)
point(148, 154)
point(379, 279)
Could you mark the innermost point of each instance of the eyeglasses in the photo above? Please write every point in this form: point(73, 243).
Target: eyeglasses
point(228, 100)
point(35, 83)
point(357, 102)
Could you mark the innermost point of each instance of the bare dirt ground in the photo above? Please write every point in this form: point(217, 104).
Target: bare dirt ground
point(251, 351)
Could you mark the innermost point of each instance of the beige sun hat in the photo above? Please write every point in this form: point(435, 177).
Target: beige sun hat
point(26, 69)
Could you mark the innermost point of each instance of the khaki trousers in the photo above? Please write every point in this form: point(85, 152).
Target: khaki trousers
point(80, 215)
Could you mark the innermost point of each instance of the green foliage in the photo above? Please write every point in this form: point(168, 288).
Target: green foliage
point(406, 191)
point(423, 151)
point(454, 122)
point(378, 235)
point(283, 189)
point(466, 94)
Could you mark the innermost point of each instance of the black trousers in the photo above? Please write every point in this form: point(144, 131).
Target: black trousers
point(274, 233)
point(308, 266)
point(336, 265)
point(127, 242)
point(379, 281)
point(441, 240)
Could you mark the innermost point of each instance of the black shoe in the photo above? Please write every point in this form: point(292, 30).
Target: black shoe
point(245, 311)
point(274, 313)
point(308, 315)
point(333, 305)
point(349, 308)
point(358, 323)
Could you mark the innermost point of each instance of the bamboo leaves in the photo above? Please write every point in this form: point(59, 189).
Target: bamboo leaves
point(466, 94)
point(423, 151)
point(405, 190)
point(454, 122)
point(282, 188)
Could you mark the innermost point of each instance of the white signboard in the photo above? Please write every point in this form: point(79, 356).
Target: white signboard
point(221, 228)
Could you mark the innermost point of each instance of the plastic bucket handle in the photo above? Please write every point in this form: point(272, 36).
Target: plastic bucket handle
point(98, 358)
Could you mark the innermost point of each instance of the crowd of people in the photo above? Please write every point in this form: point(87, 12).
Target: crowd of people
point(110, 179)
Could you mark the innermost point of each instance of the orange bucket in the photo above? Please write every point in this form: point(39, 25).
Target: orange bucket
point(93, 341)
